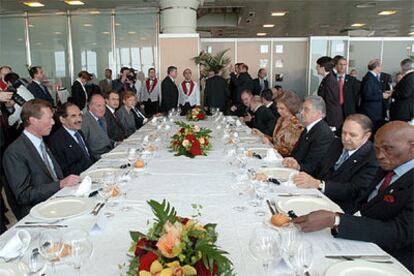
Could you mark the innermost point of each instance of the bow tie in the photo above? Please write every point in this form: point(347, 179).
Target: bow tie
point(187, 81)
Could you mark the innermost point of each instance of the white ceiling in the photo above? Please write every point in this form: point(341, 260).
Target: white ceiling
point(304, 17)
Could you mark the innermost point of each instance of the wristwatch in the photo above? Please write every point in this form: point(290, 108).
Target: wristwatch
point(321, 186)
point(335, 228)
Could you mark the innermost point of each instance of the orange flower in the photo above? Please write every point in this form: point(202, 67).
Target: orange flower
point(169, 243)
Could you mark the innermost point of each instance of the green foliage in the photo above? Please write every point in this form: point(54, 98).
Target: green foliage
point(163, 213)
point(209, 62)
point(213, 254)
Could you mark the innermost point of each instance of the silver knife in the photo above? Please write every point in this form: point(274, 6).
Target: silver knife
point(358, 256)
point(42, 226)
point(99, 209)
point(297, 194)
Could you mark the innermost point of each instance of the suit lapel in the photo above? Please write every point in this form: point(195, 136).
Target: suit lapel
point(32, 151)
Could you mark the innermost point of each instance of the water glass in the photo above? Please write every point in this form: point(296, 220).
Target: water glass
point(51, 246)
point(300, 257)
point(265, 247)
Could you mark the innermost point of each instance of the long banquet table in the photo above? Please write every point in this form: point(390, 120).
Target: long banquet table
point(204, 180)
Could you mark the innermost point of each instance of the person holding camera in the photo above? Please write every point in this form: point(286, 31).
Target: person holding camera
point(125, 82)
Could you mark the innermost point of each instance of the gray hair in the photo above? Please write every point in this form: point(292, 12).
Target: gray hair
point(407, 64)
point(318, 103)
point(374, 63)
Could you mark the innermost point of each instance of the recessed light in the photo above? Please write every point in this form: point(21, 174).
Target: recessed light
point(412, 33)
point(94, 12)
point(58, 33)
point(279, 13)
point(366, 5)
point(20, 39)
point(60, 13)
point(87, 25)
point(358, 25)
point(117, 24)
point(131, 33)
point(106, 33)
point(387, 12)
point(74, 3)
point(261, 34)
point(268, 25)
point(31, 26)
point(34, 4)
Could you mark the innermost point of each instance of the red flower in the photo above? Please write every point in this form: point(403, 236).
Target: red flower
point(183, 220)
point(389, 198)
point(146, 261)
point(202, 270)
point(182, 130)
point(190, 138)
point(139, 250)
point(195, 148)
point(206, 141)
point(201, 116)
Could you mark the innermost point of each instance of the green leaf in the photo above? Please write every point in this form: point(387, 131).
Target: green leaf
point(136, 235)
point(163, 211)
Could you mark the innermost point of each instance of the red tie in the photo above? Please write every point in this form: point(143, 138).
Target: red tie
point(341, 90)
point(386, 182)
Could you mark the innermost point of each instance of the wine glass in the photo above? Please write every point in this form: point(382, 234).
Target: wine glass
point(81, 247)
point(264, 246)
point(132, 155)
point(300, 257)
point(51, 246)
point(290, 236)
point(34, 263)
point(261, 188)
point(239, 185)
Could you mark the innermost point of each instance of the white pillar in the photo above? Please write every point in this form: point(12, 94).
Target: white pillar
point(179, 16)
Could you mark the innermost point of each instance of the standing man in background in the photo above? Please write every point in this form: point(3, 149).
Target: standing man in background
point(169, 91)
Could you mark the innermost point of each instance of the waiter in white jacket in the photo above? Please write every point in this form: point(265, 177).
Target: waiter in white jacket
point(188, 93)
point(150, 94)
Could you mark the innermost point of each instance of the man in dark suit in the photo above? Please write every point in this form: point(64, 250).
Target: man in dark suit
point(402, 108)
point(216, 93)
point(348, 87)
point(36, 87)
point(32, 172)
point(388, 209)
point(260, 83)
point(373, 95)
point(242, 82)
point(169, 90)
point(314, 141)
point(68, 143)
point(263, 119)
point(233, 76)
point(115, 131)
point(329, 91)
point(79, 94)
point(267, 100)
point(106, 84)
point(345, 174)
point(124, 83)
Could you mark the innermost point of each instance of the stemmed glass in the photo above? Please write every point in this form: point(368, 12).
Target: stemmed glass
point(264, 246)
point(132, 155)
point(290, 235)
point(239, 185)
point(260, 188)
point(51, 246)
point(300, 257)
point(34, 262)
point(81, 247)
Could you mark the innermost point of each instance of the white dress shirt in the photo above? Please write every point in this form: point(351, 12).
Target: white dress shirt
point(311, 125)
point(36, 141)
point(193, 99)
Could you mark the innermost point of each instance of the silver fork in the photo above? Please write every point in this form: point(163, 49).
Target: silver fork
point(43, 222)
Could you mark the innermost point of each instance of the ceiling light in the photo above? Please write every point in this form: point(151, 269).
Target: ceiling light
point(280, 13)
point(94, 12)
point(33, 4)
point(106, 33)
point(358, 25)
point(20, 39)
point(60, 13)
point(261, 34)
point(268, 25)
point(87, 25)
point(117, 24)
point(387, 12)
point(131, 33)
point(412, 33)
point(366, 5)
point(74, 3)
point(31, 26)
point(58, 33)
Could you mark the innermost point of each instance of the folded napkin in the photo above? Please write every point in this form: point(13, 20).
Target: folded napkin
point(272, 155)
point(85, 187)
point(238, 123)
point(16, 246)
point(145, 140)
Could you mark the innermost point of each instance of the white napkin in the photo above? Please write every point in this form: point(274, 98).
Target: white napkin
point(145, 140)
point(85, 187)
point(272, 155)
point(16, 246)
point(238, 123)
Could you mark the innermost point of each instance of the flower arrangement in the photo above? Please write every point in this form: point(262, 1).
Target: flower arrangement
point(191, 140)
point(196, 114)
point(209, 62)
point(176, 246)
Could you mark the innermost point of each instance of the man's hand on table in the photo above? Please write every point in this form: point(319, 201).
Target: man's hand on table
point(304, 180)
point(290, 162)
point(315, 221)
point(70, 180)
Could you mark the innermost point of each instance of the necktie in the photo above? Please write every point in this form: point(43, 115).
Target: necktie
point(341, 90)
point(81, 143)
point(47, 162)
point(342, 159)
point(386, 182)
point(101, 124)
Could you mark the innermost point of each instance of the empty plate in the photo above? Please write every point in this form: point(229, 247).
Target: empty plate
point(362, 268)
point(282, 174)
point(303, 205)
point(62, 208)
point(99, 173)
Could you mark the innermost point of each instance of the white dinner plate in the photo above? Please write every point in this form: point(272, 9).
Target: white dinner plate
point(62, 208)
point(247, 139)
point(363, 268)
point(99, 173)
point(115, 155)
point(13, 269)
point(282, 174)
point(303, 205)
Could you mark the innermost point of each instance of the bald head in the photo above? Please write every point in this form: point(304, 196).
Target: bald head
point(394, 144)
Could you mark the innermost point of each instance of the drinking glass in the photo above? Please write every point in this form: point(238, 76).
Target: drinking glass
point(34, 263)
point(51, 246)
point(81, 247)
point(132, 155)
point(290, 235)
point(264, 246)
point(300, 257)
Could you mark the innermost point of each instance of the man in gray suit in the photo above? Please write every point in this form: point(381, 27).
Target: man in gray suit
point(32, 173)
point(94, 127)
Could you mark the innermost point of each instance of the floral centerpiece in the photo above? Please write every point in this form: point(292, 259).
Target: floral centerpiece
point(196, 114)
point(191, 140)
point(176, 246)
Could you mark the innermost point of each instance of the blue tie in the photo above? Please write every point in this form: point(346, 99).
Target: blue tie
point(81, 143)
point(341, 159)
point(101, 124)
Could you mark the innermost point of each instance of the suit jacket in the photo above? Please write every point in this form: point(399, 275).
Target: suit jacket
point(96, 137)
point(386, 219)
point(257, 89)
point(216, 93)
point(241, 83)
point(68, 152)
point(371, 98)
point(169, 95)
point(39, 93)
point(348, 185)
point(115, 131)
point(79, 96)
point(118, 86)
point(274, 111)
point(127, 120)
point(312, 146)
point(264, 120)
point(403, 106)
point(28, 179)
point(351, 90)
point(329, 91)
point(105, 86)
point(385, 84)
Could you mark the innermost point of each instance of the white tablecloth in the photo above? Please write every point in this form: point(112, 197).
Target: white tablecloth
point(182, 181)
